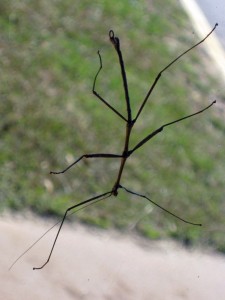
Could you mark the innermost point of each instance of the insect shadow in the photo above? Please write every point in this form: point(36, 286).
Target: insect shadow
point(129, 121)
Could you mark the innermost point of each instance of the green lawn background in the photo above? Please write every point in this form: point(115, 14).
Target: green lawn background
point(49, 117)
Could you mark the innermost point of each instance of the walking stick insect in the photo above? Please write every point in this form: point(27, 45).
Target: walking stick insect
point(127, 152)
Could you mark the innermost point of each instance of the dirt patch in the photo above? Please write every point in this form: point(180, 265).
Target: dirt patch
point(90, 264)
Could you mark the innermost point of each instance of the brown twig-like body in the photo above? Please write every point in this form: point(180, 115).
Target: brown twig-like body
point(129, 126)
point(127, 152)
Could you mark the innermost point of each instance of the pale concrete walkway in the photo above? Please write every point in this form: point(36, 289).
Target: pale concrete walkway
point(89, 264)
point(212, 45)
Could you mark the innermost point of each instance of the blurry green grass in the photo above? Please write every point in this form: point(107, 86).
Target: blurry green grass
point(49, 117)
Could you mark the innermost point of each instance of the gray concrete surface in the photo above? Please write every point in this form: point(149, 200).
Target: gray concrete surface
point(89, 264)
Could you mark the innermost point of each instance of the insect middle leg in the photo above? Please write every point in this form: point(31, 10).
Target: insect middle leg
point(104, 155)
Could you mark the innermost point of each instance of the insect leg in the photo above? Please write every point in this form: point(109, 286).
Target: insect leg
point(103, 196)
point(105, 155)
